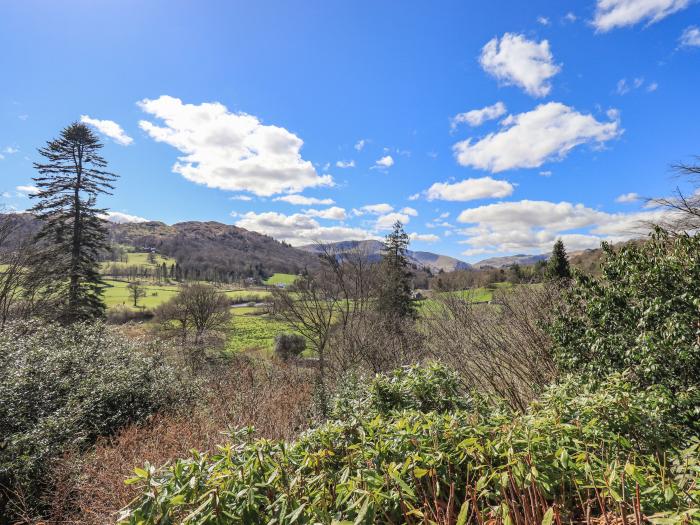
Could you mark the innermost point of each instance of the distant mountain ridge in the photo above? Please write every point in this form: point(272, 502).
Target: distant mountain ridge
point(506, 261)
point(372, 248)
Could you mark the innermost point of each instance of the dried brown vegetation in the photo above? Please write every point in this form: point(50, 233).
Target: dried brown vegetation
point(274, 398)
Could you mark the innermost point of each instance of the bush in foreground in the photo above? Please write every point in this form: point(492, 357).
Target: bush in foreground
point(62, 387)
point(580, 454)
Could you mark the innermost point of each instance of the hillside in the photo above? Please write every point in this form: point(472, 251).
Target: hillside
point(505, 262)
point(205, 246)
point(433, 261)
point(214, 245)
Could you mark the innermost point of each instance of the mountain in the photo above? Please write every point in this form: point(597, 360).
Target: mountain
point(433, 261)
point(204, 247)
point(505, 262)
point(216, 246)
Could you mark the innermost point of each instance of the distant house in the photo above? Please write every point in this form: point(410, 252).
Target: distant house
point(281, 285)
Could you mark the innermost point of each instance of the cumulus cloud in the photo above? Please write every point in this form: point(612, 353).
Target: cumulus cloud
point(690, 37)
point(108, 128)
point(532, 226)
point(515, 60)
point(570, 17)
point(386, 222)
point(360, 144)
point(424, 237)
point(528, 140)
point(230, 151)
point(543, 20)
point(27, 190)
point(298, 229)
point(476, 117)
point(301, 200)
point(241, 198)
point(345, 164)
point(374, 209)
point(628, 197)
point(123, 218)
point(469, 189)
point(414, 197)
point(334, 213)
point(385, 162)
point(610, 14)
point(410, 211)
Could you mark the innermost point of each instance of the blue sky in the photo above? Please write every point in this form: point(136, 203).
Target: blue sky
point(489, 127)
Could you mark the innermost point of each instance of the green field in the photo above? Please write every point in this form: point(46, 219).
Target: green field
point(254, 332)
point(281, 278)
point(117, 294)
point(139, 259)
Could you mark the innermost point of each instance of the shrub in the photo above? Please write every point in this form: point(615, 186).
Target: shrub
point(642, 314)
point(62, 387)
point(288, 346)
point(566, 459)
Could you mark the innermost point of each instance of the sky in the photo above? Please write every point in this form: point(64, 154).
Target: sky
point(486, 127)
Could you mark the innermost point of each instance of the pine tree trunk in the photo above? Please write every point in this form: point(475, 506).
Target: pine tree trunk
point(73, 299)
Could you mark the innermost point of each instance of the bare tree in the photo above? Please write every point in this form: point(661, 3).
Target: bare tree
point(497, 348)
point(136, 291)
point(198, 308)
point(683, 208)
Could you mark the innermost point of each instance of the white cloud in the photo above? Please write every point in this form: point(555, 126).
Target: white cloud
point(2, 156)
point(610, 14)
point(515, 60)
point(241, 198)
point(470, 189)
point(334, 213)
point(414, 197)
point(301, 200)
point(424, 237)
point(652, 87)
point(385, 162)
point(345, 164)
point(298, 229)
point(410, 211)
point(628, 197)
point(545, 173)
point(10, 150)
point(109, 128)
point(231, 151)
point(476, 117)
point(27, 190)
point(532, 226)
point(570, 17)
point(690, 37)
point(386, 222)
point(360, 144)
point(375, 209)
point(528, 140)
point(623, 87)
point(123, 218)
point(543, 20)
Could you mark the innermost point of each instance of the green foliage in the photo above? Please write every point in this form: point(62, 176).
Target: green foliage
point(62, 387)
point(430, 388)
point(642, 314)
point(568, 455)
point(558, 264)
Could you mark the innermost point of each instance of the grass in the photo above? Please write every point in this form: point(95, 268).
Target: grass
point(281, 278)
point(254, 332)
point(117, 294)
point(139, 259)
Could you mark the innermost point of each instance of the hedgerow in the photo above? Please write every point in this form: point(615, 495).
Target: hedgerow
point(581, 453)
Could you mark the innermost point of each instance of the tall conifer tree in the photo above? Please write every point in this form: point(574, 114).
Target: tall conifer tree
point(73, 229)
point(558, 264)
point(395, 296)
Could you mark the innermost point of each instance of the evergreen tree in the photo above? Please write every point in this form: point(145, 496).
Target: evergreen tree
point(558, 265)
point(395, 297)
point(73, 230)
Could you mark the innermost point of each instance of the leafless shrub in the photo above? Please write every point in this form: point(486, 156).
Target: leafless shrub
point(498, 348)
point(274, 398)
